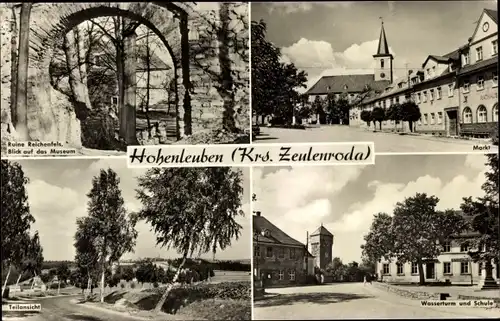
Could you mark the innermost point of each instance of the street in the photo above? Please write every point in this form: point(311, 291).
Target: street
point(64, 309)
point(351, 300)
point(384, 142)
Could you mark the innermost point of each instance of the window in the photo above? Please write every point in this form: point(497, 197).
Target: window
point(385, 268)
point(395, 100)
point(281, 253)
point(464, 267)
point(428, 71)
point(480, 82)
point(291, 274)
point(495, 78)
point(451, 89)
point(479, 53)
point(292, 253)
point(425, 119)
point(438, 93)
point(447, 268)
point(433, 70)
point(467, 115)
point(494, 47)
point(269, 251)
point(433, 118)
point(424, 97)
point(440, 117)
point(400, 268)
point(431, 94)
point(464, 247)
point(326, 255)
point(256, 251)
point(418, 98)
point(466, 58)
point(382, 63)
point(466, 85)
point(495, 113)
point(446, 247)
point(482, 114)
point(114, 100)
point(414, 268)
point(282, 275)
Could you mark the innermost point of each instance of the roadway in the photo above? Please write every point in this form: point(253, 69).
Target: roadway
point(349, 301)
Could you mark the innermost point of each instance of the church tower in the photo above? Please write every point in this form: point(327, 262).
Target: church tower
point(383, 59)
point(321, 242)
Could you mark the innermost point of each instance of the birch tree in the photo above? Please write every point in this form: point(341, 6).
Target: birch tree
point(192, 210)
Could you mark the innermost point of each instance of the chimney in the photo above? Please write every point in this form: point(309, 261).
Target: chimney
point(257, 213)
point(307, 240)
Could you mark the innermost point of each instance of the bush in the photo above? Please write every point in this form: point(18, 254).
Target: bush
point(289, 126)
point(122, 285)
point(132, 285)
point(55, 286)
point(155, 284)
point(311, 280)
point(214, 137)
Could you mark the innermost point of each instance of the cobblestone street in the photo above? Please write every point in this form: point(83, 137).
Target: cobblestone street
point(384, 142)
point(351, 300)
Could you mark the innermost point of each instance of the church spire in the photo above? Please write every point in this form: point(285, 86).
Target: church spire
point(383, 47)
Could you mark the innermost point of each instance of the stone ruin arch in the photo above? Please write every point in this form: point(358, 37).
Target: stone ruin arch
point(48, 120)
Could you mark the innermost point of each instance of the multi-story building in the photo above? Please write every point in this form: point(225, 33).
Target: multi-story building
point(457, 93)
point(454, 265)
point(278, 259)
point(321, 242)
point(352, 86)
point(478, 78)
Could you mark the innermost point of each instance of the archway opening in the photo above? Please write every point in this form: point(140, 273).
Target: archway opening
point(88, 66)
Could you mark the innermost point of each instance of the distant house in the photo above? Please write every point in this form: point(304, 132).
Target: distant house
point(279, 259)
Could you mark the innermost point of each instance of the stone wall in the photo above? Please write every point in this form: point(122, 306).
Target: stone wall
point(417, 295)
point(5, 63)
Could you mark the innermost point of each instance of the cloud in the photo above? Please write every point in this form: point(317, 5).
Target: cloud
point(296, 7)
point(300, 199)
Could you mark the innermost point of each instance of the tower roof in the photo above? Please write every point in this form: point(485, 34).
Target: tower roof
point(322, 231)
point(383, 47)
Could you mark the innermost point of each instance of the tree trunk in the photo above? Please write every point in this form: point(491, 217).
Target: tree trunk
point(410, 125)
point(119, 76)
point(421, 273)
point(185, 63)
point(129, 86)
point(102, 284)
point(148, 80)
point(13, 68)
point(21, 124)
point(380, 125)
point(6, 279)
point(165, 294)
point(82, 65)
point(79, 90)
point(17, 281)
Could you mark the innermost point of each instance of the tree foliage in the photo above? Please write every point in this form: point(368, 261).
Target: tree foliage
point(274, 83)
point(378, 114)
point(366, 116)
point(414, 233)
point(192, 210)
point(410, 112)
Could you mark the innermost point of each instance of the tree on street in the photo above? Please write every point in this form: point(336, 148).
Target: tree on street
point(411, 113)
point(378, 114)
point(192, 210)
point(107, 233)
point(395, 113)
point(366, 116)
point(16, 218)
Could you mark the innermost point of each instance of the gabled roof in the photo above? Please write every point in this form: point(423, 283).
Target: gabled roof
point(482, 64)
point(346, 83)
point(322, 231)
point(493, 14)
point(274, 234)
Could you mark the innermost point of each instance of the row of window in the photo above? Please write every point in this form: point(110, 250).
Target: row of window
point(464, 268)
point(291, 275)
point(432, 121)
point(480, 53)
point(280, 252)
point(479, 82)
point(482, 114)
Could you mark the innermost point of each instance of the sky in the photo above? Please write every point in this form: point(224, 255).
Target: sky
point(333, 38)
point(57, 196)
point(345, 198)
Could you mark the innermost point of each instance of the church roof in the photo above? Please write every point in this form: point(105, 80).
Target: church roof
point(272, 234)
point(346, 83)
point(383, 47)
point(322, 231)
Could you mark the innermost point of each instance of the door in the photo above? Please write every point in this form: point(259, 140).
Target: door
point(430, 270)
point(452, 123)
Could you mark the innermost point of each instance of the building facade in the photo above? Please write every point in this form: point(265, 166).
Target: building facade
point(454, 265)
point(321, 242)
point(457, 93)
point(278, 259)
